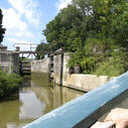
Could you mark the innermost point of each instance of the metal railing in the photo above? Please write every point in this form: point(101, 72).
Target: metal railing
point(85, 110)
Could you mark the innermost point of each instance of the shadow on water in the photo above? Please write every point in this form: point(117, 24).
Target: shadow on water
point(36, 98)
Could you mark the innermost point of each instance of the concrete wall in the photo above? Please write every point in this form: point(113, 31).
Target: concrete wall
point(85, 82)
point(57, 68)
point(40, 66)
point(82, 82)
point(9, 61)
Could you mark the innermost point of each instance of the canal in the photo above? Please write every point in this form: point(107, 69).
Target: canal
point(36, 98)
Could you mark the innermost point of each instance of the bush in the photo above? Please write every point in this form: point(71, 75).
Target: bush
point(99, 58)
point(114, 65)
point(9, 84)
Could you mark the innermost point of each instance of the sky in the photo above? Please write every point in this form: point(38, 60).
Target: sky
point(25, 20)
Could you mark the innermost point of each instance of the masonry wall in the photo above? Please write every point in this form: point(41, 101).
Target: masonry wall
point(41, 66)
point(15, 62)
point(9, 62)
point(84, 82)
point(57, 68)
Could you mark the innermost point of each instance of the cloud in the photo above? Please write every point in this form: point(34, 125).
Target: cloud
point(14, 25)
point(26, 34)
point(12, 20)
point(20, 19)
point(63, 4)
point(28, 8)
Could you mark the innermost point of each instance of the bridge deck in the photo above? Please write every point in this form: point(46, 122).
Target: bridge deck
point(27, 52)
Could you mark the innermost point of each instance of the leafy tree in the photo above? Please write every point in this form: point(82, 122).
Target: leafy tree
point(2, 30)
point(64, 29)
point(96, 31)
point(42, 50)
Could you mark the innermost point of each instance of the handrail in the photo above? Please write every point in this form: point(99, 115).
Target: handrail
point(85, 110)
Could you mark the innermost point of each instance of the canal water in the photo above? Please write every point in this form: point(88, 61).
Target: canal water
point(36, 98)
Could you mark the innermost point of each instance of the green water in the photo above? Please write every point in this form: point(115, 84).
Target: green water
point(36, 98)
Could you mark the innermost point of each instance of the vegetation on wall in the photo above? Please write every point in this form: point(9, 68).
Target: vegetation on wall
point(2, 30)
point(96, 31)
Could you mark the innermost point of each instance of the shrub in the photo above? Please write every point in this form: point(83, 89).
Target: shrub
point(114, 65)
point(9, 84)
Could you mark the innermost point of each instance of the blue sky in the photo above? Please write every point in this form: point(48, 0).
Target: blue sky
point(25, 19)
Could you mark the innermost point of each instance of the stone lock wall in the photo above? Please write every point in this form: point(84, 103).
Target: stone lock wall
point(84, 82)
point(9, 62)
point(57, 68)
point(41, 66)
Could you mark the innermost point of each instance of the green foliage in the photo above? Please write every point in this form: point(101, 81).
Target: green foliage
point(96, 31)
point(43, 49)
point(75, 59)
point(113, 65)
point(2, 30)
point(63, 31)
point(9, 84)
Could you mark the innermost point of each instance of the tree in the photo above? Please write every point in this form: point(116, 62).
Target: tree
point(96, 31)
point(43, 49)
point(64, 29)
point(2, 30)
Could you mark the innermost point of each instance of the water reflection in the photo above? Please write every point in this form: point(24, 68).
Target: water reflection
point(31, 107)
point(34, 101)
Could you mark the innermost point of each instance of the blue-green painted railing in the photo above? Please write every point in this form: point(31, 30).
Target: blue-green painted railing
point(77, 113)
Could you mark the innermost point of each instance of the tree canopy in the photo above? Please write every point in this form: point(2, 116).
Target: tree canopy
point(42, 50)
point(96, 31)
point(2, 30)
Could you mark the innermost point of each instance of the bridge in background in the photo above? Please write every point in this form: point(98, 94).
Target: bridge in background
point(84, 111)
point(28, 52)
point(25, 66)
point(31, 47)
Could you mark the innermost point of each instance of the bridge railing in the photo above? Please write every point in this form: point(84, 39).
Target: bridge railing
point(87, 109)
